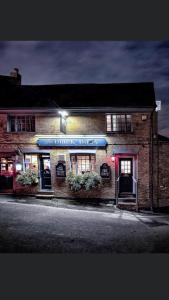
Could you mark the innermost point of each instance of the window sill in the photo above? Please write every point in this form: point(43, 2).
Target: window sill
point(21, 132)
point(119, 132)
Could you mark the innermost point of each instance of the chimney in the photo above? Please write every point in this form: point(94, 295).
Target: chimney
point(15, 74)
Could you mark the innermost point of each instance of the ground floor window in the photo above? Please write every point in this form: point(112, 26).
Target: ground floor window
point(41, 164)
point(82, 163)
point(31, 162)
point(6, 174)
point(6, 165)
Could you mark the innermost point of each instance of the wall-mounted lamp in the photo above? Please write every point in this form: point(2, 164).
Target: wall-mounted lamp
point(63, 113)
point(144, 117)
point(18, 167)
point(113, 158)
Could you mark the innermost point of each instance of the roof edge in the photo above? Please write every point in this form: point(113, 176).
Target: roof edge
point(163, 138)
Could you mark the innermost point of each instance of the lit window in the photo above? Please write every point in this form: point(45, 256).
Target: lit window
point(31, 162)
point(6, 165)
point(22, 123)
point(82, 163)
point(118, 123)
point(126, 167)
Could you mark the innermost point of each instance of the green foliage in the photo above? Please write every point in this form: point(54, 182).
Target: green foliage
point(86, 181)
point(28, 177)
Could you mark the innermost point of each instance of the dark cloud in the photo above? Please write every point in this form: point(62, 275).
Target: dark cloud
point(45, 62)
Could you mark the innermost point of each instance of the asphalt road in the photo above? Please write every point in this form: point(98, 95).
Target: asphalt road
point(33, 228)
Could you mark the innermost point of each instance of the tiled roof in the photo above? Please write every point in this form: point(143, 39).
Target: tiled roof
point(78, 95)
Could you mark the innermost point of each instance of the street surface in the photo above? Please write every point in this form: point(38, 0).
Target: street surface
point(38, 228)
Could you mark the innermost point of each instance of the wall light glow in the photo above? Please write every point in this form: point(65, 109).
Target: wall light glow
point(63, 113)
point(113, 158)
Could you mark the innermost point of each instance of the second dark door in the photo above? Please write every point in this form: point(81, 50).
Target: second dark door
point(126, 174)
point(45, 172)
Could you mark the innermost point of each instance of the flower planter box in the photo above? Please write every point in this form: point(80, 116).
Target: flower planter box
point(26, 189)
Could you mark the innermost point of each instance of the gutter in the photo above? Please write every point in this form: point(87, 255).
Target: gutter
point(55, 110)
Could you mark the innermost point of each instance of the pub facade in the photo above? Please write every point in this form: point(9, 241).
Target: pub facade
point(110, 129)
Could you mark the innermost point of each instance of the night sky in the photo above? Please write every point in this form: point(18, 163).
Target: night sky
point(54, 62)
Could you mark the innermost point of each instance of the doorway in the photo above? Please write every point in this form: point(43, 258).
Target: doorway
point(125, 176)
point(45, 172)
point(6, 175)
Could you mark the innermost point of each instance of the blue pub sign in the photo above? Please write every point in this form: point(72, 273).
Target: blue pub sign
point(71, 142)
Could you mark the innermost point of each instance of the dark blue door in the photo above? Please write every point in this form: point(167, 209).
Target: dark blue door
point(45, 172)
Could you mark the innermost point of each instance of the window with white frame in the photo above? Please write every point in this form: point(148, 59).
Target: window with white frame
point(126, 166)
point(31, 161)
point(118, 123)
point(21, 123)
point(82, 163)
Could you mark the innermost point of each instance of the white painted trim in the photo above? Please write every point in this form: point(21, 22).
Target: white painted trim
point(81, 151)
point(134, 164)
point(70, 136)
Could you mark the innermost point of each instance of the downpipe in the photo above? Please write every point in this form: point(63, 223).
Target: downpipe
point(151, 162)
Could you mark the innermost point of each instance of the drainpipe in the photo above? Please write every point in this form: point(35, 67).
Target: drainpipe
point(158, 167)
point(151, 161)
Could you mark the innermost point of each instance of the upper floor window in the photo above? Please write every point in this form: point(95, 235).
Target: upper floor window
point(21, 123)
point(118, 123)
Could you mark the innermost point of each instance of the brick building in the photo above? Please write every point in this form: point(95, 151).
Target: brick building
point(107, 128)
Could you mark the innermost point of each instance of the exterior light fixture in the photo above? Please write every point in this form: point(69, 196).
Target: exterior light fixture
point(18, 167)
point(63, 113)
point(144, 117)
point(158, 105)
point(113, 158)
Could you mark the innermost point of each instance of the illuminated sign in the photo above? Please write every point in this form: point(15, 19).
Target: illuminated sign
point(71, 142)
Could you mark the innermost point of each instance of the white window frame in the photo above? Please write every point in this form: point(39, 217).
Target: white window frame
point(112, 127)
point(16, 124)
point(82, 153)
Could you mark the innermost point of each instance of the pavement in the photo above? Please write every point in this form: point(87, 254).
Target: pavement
point(79, 204)
point(28, 225)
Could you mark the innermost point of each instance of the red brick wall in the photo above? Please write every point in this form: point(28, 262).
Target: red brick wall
point(163, 178)
point(88, 124)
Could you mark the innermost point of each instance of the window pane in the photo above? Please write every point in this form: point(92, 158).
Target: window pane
point(22, 123)
point(31, 162)
point(82, 163)
point(18, 124)
point(12, 124)
point(118, 123)
point(108, 122)
point(33, 123)
point(128, 123)
point(126, 166)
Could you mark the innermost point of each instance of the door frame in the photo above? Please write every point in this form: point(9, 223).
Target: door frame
point(41, 157)
point(11, 189)
point(130, 159)
point(134, 158)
